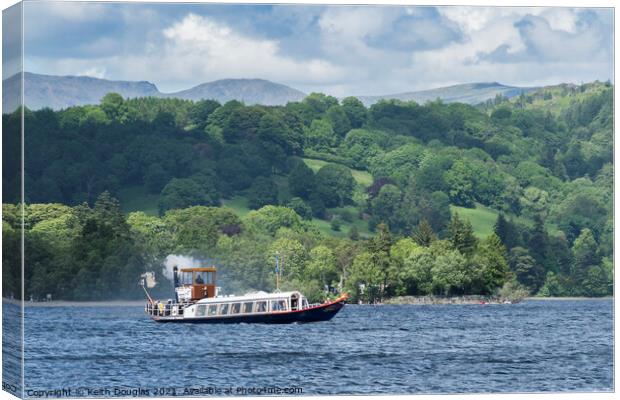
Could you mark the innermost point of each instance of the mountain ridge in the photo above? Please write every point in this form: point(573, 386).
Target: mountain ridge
point(59, 92)
point(470, 93)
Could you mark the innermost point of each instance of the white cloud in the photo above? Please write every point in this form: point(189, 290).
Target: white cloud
point(343, 30)
point(198, 49)
point(349, 49)
point(473, 19)
point(564, 19)
point(93, 72)
point(206, 49)
point(521, 46)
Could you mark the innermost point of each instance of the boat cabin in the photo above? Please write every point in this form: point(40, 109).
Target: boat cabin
point(193, 284)
point(255, 303)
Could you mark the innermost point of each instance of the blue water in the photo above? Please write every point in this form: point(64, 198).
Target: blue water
point(535, 346)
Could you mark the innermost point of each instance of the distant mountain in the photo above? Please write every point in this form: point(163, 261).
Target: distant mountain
point(250, 91)
point(470, 93)
point(65, 91)
point(59, 92)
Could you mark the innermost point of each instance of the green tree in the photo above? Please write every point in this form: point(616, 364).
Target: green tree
point(461, 181)
point(355, 110)
point(199, 227)
point(461, 235)
point(379, 247)
point(414, 267)
point(301, 180)
point(247, 267)
point(335, 184)
point(555, 285)
point(365, 278)
point(242, 123)
point(114, 107)
point(322, 265)
point(320, 136)
point(273, 128)
point(450, 273)
point(535, 203)
point(271, 218)
point(506, 231)
point(317, 104)
point(490, 262)
point(339, 120)
point(153, 237)
point(354, 233)
point(318, 205)
point(292, 257)
point(300, 207)
point(596, 282)
point(335, 223)
point(424, 235)
point(527, 271)
point(585, 255)
point(385, 206)
point(199, 113)
point(102, 262)
point(182, 193)
point(263, 191)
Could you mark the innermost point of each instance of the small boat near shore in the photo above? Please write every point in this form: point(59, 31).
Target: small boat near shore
point(196, 302)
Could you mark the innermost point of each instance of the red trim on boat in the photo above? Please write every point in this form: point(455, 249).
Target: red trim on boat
point(340, 299)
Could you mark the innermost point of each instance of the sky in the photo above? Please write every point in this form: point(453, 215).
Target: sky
point(339, 50)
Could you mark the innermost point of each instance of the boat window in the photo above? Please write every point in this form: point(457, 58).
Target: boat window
point(200, 310)
point(186, 278)
point(261, 306)
point(201, 278)
point(247, 307)
point(224, 309)
point(212, 310)
point(278, 305)
point(235, 308)
point(209, 280)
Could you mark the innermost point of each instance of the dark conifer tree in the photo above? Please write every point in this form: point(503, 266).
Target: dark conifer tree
point(424, 234)
point(461, 234)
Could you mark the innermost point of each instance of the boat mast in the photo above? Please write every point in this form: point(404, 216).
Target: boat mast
point(279, 268)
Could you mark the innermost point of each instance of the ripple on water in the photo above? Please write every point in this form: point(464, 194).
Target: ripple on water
point(532, 346)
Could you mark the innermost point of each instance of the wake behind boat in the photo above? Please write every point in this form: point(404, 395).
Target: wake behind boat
point(196, 302)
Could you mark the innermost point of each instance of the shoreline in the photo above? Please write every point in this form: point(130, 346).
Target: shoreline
point(568, 298)
point(477, 299)
point(140, 303)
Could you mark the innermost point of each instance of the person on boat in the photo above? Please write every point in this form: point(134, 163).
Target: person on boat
point(199, 280)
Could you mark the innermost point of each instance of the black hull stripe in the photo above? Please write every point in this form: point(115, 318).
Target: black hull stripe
point(317, 314)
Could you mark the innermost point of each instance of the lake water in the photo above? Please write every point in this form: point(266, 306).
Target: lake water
point(535, 346)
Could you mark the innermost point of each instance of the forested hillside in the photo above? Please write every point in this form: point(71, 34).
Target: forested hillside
point(354, 198)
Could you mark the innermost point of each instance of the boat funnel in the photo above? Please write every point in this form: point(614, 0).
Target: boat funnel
point(175, 275)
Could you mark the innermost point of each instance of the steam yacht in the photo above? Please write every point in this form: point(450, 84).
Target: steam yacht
point(196, 301)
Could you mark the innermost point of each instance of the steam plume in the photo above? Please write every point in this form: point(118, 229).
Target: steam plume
point(179, 261)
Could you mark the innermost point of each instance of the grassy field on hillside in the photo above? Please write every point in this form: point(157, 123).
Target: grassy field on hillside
point(482, 218)
point(561, 98)
point(362, 178)
point(239, 205)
